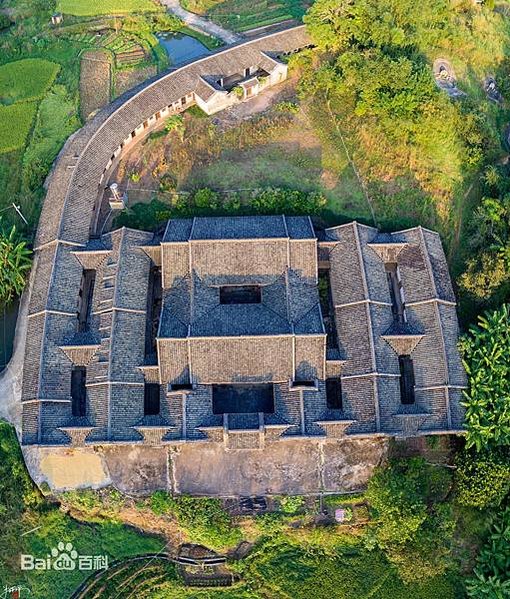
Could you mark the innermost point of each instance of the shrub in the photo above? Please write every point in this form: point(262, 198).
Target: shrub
point(492, 571)
point(176, 123)
point(161, 502)
point(486, 357)
point(292, 504)
point(410, 524)
point(238, 92)
point(482, 478)
point(290, 107)
point(206, 199)
point(203, 518)
point(167, 183)
point(4, 21)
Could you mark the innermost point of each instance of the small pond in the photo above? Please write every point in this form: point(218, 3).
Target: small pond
point(8, 316)
point(181, 48)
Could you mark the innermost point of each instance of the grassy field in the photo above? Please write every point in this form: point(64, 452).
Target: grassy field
point(26, 80)
point(22, 84)
point(242, 15)
point(86, 8)
point(15, 123)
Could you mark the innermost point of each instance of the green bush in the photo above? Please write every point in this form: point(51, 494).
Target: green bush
point(4, 21)
point(410, 523)
point(486, 357)
point(208, 202)
point(291, 504)
point(203, 518)
point(482, 478)
point(492, 571)
point(206, 199)
point(290, 107)
point(175, 123)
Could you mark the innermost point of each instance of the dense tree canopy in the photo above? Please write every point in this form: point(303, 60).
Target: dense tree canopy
point(487, 275)
point(486, 354)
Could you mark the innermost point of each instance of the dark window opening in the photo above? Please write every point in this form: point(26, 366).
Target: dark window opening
point(181, 387)
point(154, 300)
point(405, 364)
point(88, 280)
point(151, 399)
point(303, 383)
point(327, 309)
point(243, 399)
point(397, 305)
point(78, 391)
point(334, 393)
point(247, 72)
point(240, 294)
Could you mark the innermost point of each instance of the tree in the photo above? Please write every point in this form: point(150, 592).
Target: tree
point(15, 264)
point(489, 269)
point(412, 524)
point(486, 356)
point(482, 478)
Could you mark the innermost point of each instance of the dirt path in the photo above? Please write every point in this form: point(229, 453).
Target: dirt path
point(196, 22)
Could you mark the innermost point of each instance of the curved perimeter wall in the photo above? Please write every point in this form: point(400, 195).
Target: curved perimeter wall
point(68, 212)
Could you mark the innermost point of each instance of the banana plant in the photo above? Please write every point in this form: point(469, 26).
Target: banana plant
point(15, 263)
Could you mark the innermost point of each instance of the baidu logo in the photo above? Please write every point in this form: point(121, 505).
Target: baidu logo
point(64, 557)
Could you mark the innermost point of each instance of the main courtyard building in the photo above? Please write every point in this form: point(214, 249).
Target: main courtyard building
point(244, 332)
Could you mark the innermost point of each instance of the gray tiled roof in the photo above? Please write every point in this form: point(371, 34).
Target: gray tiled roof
point(236, 320)
point(238, 227)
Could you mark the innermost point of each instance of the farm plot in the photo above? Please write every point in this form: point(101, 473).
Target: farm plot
point(26, 80)
point(242, 15)
point(127, 50)
point(15, 123)
point(88, 8)
point(95, 81)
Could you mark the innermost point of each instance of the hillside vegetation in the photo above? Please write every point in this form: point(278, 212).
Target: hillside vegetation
point(420, 153)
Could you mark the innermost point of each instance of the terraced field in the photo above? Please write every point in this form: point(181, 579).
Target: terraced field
point(126, 50)
point(130, 579)
point(241, 15)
